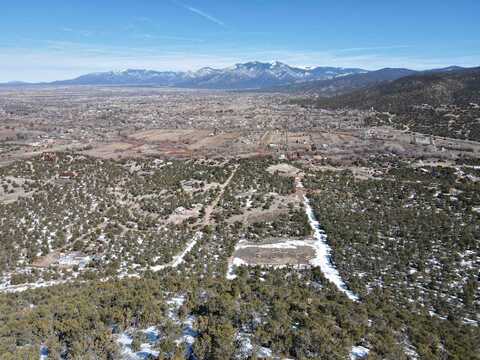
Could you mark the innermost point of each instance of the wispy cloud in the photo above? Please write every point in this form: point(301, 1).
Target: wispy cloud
point(202, 13)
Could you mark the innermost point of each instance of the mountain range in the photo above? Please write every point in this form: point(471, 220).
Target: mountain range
point(251, 75)
point(272, 77)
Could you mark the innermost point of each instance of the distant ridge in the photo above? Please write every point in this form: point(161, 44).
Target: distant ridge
point(344, 84)
point(433, 87)
point(443, 102)
point(15, 83)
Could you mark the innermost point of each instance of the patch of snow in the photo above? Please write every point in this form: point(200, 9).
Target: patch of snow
point(146, 349)
point(264, 353)
point(28, 286)
point(359, 352)
point(188, 335)
point(289, 244)
point(232, 265)
point(245, 343)
point(177, 301)
point(433, 313)
point(43, 352)
point(124, 339)
point(467, 321)
point(151, 333)
point(411, 351)
point(246, 347)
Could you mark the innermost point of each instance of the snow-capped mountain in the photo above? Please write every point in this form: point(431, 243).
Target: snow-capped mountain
point(251, 75)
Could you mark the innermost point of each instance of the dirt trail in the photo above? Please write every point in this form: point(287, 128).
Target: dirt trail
point(209, 209)
point(178, 259)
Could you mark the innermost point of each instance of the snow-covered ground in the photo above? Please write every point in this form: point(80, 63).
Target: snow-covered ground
point(43, 352)
point(288, 244)
point(232, 265)
point(468, 321)
point(188, 333)
point(125, 341)
point(7, 288)
point(359, 352)
point(186, 338)
point(323, 251)
point(247, 348)
point(410, 351)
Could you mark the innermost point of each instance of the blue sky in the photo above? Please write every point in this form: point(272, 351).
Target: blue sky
point(53, 39)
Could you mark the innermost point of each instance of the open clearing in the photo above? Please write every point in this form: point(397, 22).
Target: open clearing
point(280, 252)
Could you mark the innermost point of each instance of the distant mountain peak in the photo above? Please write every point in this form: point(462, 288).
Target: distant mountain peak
point(278, 64)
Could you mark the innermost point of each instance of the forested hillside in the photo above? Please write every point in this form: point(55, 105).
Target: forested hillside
point(444, 104)
point(345, 84)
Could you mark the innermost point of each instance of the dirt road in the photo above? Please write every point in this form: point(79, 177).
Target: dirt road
point(209, 209)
